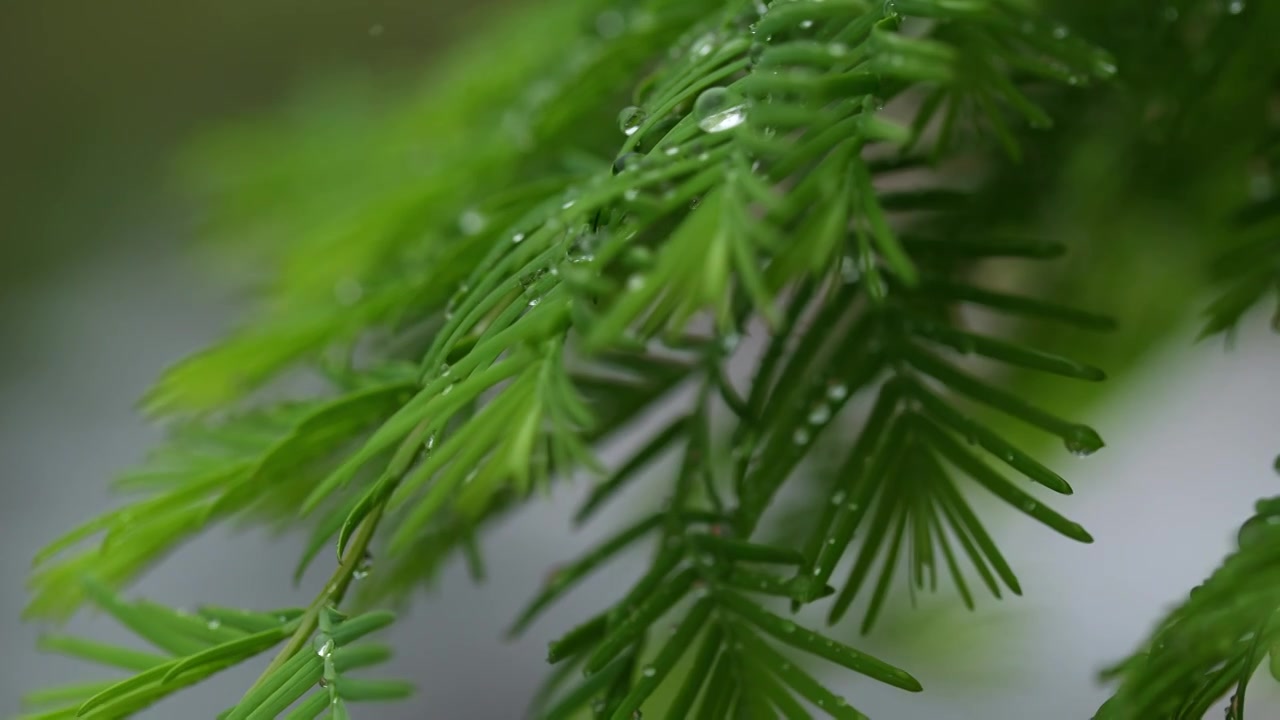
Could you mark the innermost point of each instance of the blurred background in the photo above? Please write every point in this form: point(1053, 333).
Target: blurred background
point(100, 290)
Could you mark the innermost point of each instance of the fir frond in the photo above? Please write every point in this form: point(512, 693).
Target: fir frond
point(537, 285)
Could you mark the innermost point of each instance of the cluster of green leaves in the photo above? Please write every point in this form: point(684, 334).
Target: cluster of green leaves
point(193, 647)
point(530, 287)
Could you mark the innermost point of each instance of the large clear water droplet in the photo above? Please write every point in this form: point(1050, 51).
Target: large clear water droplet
point(717, 109)
point(1083, 441)
point(630, 119)
point(323, 645)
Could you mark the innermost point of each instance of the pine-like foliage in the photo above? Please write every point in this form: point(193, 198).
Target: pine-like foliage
point(508, 267)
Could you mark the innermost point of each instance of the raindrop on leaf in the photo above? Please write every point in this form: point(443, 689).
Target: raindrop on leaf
point(1083, 441)
point(323, 645)
point(471, 222)
point(630, 119)
point(717, 109)
point(365, 567)
point(627, 161)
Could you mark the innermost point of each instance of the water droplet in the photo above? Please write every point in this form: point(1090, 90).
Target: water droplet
point(836, 49)
point(214, 624)
point(631, 194)
point(837, 392)
point(1030, 505)
point(636, 714)
point(1083, 441)
point(800, 436)
point(1235, 7)
point(627, 161)
point(472, 222)
point(448, 389)
point(703, 46)
point(323, 645)
point(635, 282)
point(806, 24)
point(1251, 531)
point(717, 110)
point(533, 302)
point(610, 24)
point(365, 567)
point(819, 415)
point(348, 291)
point(695, 202)
point(567, 204)
point(788, 626)
point(630, 119)
point(729, 342)
point(517, 238)
point(841, 702)
point(838, 497)
point(817, 571)
point(649, 671)
point(1060, 32)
